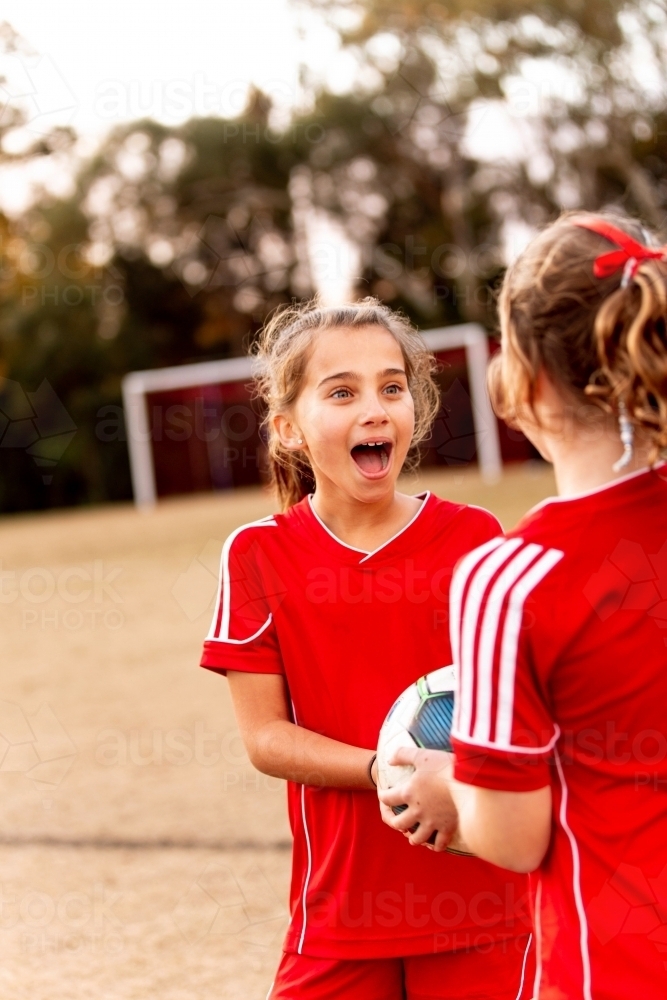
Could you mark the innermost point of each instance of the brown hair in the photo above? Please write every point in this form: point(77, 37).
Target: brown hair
point(282, 350)
point(602, 343)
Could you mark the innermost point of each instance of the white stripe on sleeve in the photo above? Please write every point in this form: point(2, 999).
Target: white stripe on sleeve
point(510, 641)
point(476, 591)
point(477, 635)
point(224, 587)
point(459, 580)
point(488, 635)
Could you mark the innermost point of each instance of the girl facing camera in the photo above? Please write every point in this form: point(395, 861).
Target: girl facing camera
point(326, 612)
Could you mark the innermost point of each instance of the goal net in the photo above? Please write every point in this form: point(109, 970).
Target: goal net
point(196, 427)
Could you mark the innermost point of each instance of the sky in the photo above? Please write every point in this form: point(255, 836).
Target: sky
point(98, 64)
point(93, 66)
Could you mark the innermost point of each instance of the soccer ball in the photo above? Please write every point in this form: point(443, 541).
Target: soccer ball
point(421, 717)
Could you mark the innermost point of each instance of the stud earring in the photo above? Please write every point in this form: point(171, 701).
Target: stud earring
point(300, 441)
point(627, 433)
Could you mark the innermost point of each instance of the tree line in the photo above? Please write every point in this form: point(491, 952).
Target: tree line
point(176, 242)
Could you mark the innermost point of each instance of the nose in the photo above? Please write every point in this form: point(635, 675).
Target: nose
point(374, 413)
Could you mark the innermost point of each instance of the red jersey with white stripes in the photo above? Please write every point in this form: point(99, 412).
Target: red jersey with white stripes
point(350, 630)
point(560, 634)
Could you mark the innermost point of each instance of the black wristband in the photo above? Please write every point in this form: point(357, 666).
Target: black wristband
point(370, 768)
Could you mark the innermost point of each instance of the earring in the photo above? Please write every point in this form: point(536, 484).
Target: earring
point(300, 441)
point(627, 432)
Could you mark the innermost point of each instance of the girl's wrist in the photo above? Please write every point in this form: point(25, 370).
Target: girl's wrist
point(371, 767)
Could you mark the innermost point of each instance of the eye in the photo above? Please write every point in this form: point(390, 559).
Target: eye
point(340, 394)
point(394, 389)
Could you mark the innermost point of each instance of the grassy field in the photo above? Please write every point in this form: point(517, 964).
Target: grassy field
point(140, 854)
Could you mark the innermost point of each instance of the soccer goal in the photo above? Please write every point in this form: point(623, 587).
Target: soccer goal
point(220, 377)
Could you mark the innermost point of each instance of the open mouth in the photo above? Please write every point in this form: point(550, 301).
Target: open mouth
point(372, 457)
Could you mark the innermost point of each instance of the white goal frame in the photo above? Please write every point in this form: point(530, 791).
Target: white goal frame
point(137, 385)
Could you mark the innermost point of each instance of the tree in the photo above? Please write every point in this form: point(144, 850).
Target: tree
point(173, 248)
point(580, 84)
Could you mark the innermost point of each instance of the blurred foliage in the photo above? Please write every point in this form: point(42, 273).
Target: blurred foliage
point(177, 242)
point(580, 87)
point(13, 112)
point(173, 248)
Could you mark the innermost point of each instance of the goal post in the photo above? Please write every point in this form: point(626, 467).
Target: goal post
point(137, 386)
point(474, 339)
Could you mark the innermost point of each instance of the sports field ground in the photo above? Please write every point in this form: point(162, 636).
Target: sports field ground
point(140, 854)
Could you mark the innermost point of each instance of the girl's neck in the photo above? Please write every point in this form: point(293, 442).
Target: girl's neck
point(589, 464)
point(361, 525)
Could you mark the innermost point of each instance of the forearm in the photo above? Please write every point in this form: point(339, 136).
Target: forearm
point(284, 750)
point(509, 829)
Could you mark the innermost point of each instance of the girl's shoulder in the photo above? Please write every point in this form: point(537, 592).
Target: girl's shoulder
point(248, 535)
point(478, 522)
point(286, 527)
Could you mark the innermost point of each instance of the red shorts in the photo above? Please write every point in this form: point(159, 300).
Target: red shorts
point(500, 971)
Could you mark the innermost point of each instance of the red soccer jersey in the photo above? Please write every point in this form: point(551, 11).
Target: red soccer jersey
point(350, 630)
point(559, 636)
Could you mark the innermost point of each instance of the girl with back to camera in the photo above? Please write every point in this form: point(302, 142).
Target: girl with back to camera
point(326, 612)
point(560, 735)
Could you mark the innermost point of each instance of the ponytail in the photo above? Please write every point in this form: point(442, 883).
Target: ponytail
point(291, 476)
point(599, 332)
point(631, 341)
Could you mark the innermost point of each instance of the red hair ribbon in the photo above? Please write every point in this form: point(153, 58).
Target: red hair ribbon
point(629, 257)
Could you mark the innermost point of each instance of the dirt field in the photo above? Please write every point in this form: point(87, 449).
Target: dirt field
point(140, 854)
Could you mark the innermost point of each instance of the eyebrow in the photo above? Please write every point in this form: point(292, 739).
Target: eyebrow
point(355, 377)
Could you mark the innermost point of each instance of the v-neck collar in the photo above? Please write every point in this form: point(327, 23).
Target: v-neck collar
point(424, 497)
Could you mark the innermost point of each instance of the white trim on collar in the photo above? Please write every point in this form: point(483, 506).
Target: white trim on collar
point(420, 496)
point(598, 489)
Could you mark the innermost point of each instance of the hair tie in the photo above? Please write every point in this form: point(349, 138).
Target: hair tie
point(370, 768)
point(629, 256)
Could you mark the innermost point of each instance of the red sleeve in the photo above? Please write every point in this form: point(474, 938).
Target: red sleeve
point(242, 634)
point(503, 731)
point(480, 526)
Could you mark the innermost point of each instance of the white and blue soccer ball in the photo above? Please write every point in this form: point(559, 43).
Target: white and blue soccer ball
point(421, 717)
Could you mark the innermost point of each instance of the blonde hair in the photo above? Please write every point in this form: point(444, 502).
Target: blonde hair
point(605, 344)
point(282, 351)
